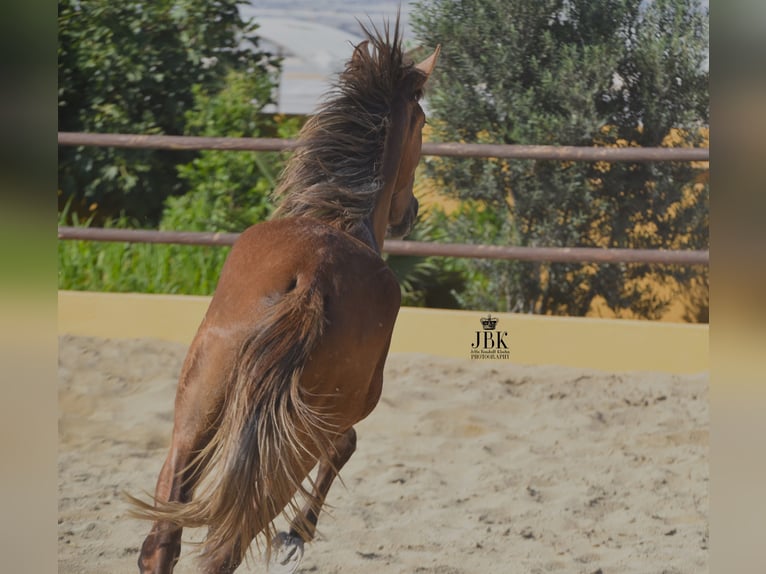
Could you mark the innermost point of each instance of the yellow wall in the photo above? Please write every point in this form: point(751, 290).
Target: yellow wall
point(605, 344)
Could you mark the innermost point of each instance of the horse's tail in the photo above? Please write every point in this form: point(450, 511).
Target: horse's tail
point(267, 439)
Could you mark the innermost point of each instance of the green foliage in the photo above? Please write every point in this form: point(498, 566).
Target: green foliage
point(490, 285)
point(137, 67)
point(570, 72)
point(428, 281)
point(228, 190)
point(175, 67)
point(136, 267)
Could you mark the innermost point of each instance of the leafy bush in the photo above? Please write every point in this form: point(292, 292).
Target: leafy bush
point(610, 73)
point(137, 67)
point(229, 190)
point(429, 281)
point(136, 267)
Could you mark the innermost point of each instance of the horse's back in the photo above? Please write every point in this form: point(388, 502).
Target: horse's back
point(275, 257)
point(359, 295)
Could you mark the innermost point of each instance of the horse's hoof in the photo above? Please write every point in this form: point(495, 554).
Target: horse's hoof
point(286, 554)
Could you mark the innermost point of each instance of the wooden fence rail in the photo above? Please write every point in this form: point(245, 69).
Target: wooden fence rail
point(561, 153)
point(418, 248)
point(393, 247)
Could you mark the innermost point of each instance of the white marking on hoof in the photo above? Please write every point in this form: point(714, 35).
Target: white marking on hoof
point(286, 554)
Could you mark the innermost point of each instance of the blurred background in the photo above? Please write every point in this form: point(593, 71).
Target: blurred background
point(38, 39)
point(610, 74)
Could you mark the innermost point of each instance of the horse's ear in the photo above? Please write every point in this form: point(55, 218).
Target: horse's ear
point(360, 51)
point(427, 65)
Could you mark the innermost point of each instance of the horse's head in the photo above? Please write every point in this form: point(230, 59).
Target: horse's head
point(355, 164)
point(404, 205)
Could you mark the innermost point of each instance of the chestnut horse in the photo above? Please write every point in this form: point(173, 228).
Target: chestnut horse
point(290, 353)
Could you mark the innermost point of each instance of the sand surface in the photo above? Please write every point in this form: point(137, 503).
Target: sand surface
point(463, 467)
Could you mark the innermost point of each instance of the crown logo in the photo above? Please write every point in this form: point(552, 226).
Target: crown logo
point(489, 322)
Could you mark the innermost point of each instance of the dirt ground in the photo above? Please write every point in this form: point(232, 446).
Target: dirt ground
point(463, 468)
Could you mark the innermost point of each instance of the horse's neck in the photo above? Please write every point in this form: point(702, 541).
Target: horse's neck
point(366, 234)
point(377, 222)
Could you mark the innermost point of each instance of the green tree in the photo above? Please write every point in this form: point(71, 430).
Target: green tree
point(579, 72)
point(229, 190)
point(135, 66)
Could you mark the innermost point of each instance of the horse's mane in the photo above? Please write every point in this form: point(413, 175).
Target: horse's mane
point(335, 173)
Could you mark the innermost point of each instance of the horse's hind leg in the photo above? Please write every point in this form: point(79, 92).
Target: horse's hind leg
point(304, 525)
point(197, 403)
point(289, 546)
point(162, 547)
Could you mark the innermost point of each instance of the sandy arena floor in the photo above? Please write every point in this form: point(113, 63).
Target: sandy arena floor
point(463, 467)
